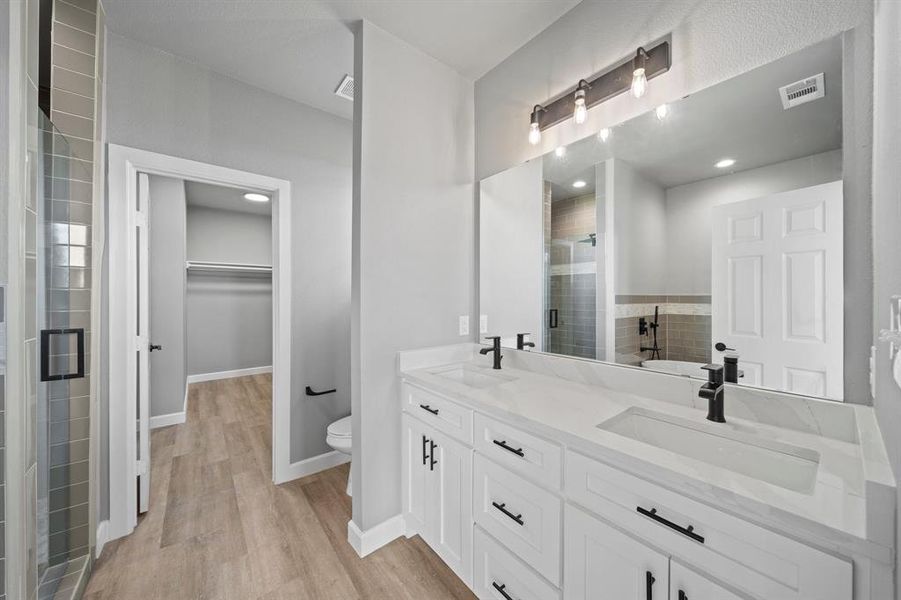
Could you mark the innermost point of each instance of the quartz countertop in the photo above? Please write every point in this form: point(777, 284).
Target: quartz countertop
point(834, 513)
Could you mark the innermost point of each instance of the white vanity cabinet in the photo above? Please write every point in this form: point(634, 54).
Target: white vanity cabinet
point(437, 492)
point(685, 584)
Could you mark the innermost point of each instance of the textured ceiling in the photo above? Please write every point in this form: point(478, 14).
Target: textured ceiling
point(301, 49)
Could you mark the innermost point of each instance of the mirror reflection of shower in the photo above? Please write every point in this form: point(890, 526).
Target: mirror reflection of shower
point(649, 330)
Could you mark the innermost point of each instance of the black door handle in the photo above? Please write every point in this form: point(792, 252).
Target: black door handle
point(503, 444)
point(649, 583)
point(45, 354)
point(156, 347)
point(687, 531)
point(552, 318)
point(503, 508)
point(424, 455)
point(432, 461)
point(500, 588)
point(428, 408)
point(682, 595)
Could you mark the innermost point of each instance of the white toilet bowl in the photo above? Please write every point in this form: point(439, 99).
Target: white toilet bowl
point(339, 437)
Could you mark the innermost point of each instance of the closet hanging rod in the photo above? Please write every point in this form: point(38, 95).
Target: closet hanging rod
point(200, 265)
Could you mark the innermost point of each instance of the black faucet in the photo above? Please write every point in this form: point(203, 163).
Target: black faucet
point(521, 343)
point(496, 348)
point(713, 391)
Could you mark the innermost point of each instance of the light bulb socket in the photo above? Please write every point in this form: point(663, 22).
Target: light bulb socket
point(641, 59)
point(536, 114)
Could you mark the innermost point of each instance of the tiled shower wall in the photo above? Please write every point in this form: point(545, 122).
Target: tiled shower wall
point(684, 333)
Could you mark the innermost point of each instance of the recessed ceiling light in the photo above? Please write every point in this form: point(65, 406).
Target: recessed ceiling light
point(560, 151)
point(725, 163)
point(254, 197)
point(578, 184)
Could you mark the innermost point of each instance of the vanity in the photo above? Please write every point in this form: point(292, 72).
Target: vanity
point(558, 478)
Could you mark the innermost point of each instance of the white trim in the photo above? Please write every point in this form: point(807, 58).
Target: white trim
point(201, 377)
point(366, 542)
point(102, 537)
point(176, 418)
point(124, 164)
point(318, 463)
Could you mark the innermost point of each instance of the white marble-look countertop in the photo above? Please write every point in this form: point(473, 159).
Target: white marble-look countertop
point(849, 510)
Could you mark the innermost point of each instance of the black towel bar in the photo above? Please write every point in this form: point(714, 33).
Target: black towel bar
point(310, 392)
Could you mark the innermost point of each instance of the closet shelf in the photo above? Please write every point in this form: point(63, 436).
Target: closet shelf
point(209, 266)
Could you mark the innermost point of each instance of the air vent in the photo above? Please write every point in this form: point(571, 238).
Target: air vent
point(801, 92)
point(346, 88)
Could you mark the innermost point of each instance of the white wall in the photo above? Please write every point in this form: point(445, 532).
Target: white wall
point(886, 225)
point(413, 241)
point(158, 102)
point(511, 252)
point(689, 214)
point(639, 230)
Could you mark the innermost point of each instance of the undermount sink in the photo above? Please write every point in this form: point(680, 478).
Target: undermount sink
point(786, 466)
point(472, 377)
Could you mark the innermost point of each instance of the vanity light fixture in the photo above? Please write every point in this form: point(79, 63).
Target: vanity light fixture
point(578, 184)
point(604, 134)
point(255, 197)
point(580, 112)
point(661, 111)
point(725, 163)
point(560, 151)
point(632, 74)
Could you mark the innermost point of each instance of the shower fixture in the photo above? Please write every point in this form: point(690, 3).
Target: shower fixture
point(591, 239)
point(644, 326)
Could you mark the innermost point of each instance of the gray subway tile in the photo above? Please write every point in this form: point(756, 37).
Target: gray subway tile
point(74, 16)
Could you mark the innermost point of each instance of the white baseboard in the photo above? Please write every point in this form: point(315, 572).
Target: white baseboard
point(176, 418)
point(228, 374)
point(311, 465)
point(102, 537)
point(366, 542)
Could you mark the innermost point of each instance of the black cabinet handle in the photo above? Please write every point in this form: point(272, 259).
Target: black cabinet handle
point(432, 461)
point(500, 588)
point(682, 595)
point(649, 583)
point(516, 451)
point(428, 408)
point(502, 507)
point(687, 531)
point(45, 354)
point(425, 456)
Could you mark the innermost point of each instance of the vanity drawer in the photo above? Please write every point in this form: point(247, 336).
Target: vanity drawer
point(752, 558)
point(525, 453)
point(523, 516)
point(439, 412)
point(495, 567)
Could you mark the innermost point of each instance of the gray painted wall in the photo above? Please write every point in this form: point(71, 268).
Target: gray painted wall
point(228, 236)
point(158, 102)
point(167, 295)
point(413, 241)
point(711, 41)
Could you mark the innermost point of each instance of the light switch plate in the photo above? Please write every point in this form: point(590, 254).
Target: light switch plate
point(464, 324)
point(483, 323)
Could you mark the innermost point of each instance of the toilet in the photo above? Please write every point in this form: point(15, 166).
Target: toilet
point(339, 438)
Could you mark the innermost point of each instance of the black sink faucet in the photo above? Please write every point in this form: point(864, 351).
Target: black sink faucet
point(496, 348)
point(521, 343)
point(713, 391)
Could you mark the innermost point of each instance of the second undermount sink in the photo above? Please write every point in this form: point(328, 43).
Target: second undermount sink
point(473, 377)
point(790, 467)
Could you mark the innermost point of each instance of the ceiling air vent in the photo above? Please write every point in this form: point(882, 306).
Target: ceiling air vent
point(801, 92)
point(346, 88)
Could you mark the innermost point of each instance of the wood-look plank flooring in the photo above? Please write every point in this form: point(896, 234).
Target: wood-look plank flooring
point(219, 529)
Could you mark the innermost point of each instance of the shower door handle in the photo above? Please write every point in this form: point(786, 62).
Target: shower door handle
point(552, 318)
point(45, 354)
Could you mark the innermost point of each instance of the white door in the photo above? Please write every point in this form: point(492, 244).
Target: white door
point(449, 503)
point(603, 563)
point(415, 470)
point(142, 341)
point(685, 584)
point(778, 288)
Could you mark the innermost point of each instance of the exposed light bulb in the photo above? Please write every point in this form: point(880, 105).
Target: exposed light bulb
point(604, 134)
point(639, 82)
point(580, 112)
point(662, 111)
point(560, 151)
point(534, 134)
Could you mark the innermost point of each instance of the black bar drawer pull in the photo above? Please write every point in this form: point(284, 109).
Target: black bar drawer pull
point(649, 584)
point(682, 595)
point(428, 408)
point(500, 588)
point(425, 455)
point(502, 507)
point(45, 354)
point(689, 531)
point(432, 461)
point(503, 444)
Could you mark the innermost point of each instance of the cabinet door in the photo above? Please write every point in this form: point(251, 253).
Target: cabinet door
point(449, 503)
point(603, 563)
point(685, 584)
point(417, 437)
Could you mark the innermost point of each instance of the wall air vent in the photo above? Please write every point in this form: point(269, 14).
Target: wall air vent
point(346, 88)
point(801, 92)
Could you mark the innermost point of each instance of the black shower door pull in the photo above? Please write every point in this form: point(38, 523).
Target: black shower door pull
point(45, 354)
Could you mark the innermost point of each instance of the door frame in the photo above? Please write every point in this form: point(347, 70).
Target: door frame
point(124, 164)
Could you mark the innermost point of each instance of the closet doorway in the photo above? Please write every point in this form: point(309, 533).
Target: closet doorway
point(199, 280)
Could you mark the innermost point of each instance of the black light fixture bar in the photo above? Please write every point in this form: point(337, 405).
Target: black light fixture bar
point(610, 84)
